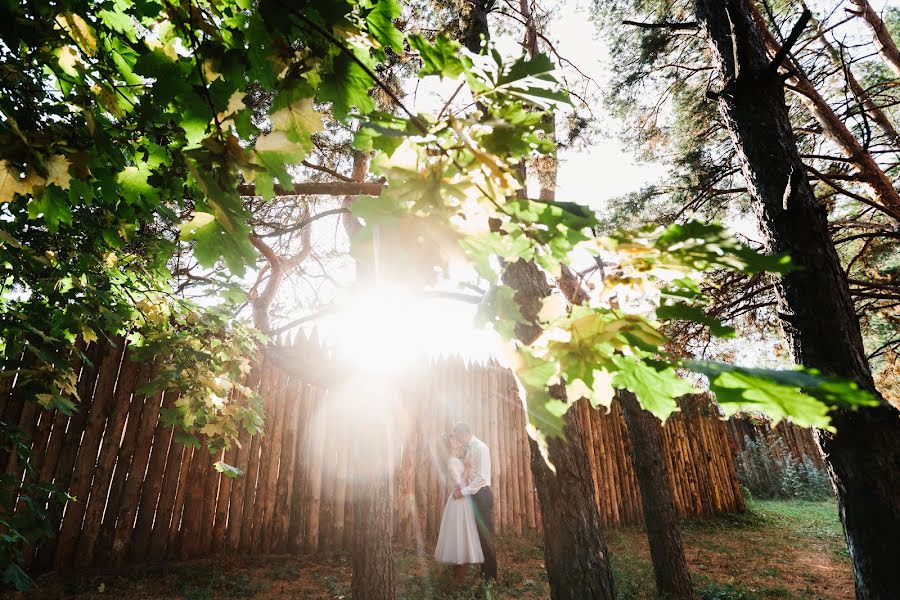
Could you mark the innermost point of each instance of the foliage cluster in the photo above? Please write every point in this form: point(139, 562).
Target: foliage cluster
point(125, 135)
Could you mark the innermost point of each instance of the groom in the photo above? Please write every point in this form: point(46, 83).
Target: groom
point(478, 458)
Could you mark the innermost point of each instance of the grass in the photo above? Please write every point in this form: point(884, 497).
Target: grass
point(784, 550)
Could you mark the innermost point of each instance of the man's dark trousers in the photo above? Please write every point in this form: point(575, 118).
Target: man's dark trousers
point(484, 517)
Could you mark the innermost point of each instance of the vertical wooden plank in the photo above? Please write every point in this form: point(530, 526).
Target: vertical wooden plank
point(238, 491)
point(492, 401)
point(341, 496)
point(223, 504)
point(259, 515)
point(12, 412)
point(174, 538)
point(132, 492)
point(270, 462)
point(152, 485)
point(252, 478)
point(297, 529)
point(211, 480)
point(326, 500)
point(160, 533)
point(93, 515)
point(124, 456)
point(253, 466)
point(423, 458)
point(314, 483)
point(287, 468)
point(86, 462)
point(239, 486)
point(65, 451)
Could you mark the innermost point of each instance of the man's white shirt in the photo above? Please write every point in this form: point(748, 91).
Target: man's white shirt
point(479, 458)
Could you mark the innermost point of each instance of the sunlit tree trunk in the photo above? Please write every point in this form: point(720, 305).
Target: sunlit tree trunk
point(372, 555)
point(575, 553)
point(885, 43)
point(814, 302)
point(673, 579)
point(870, 172)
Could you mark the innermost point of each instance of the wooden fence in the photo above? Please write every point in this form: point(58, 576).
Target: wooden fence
point(141, 496)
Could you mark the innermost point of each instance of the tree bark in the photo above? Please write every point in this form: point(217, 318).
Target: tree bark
point(575, 553)
point(814, 302)
point(883, 40)
point(320, 188)
point(870, 172)
point(372, 555)
point(673, 579)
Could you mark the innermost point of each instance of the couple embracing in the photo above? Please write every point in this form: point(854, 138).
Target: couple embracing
point(467, 527)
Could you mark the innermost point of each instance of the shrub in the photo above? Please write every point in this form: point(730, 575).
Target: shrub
point(774, 473)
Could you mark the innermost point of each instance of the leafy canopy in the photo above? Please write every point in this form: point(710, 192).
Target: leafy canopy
point(125, 133)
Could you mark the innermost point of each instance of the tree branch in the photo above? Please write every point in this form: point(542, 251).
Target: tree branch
point(792, 38)
point(323, 188)
point(687, 26)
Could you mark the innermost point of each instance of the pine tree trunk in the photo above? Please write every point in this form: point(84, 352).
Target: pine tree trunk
point(814, 301)
point(372, 555)
point(886, 45)
point(575, 553)
point(673, 580)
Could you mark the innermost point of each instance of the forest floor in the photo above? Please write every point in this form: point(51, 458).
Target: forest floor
point(784, 550)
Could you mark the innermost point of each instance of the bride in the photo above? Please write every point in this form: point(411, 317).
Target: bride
point(457, 542)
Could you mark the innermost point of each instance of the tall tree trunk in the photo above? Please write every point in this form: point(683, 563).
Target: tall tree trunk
point(372, 555)
point(673, 580)
point(883, 40)
point(814, 302)
point(575, 553)
point(870, 172)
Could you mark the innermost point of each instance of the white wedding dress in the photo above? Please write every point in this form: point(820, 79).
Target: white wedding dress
point(458, 542)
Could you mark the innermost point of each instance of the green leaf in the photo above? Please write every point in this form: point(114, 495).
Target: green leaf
point(656, 386)
point(52, 205)
point(681, 311)
point(480, 249)
point(500, 309)
point(227, 470)
point(213, 242)
point(528, 79)
point(804, 395)
point(186, 439)
point(347, 86)
point(440, 58)
point(293, 113)
point(135, 185)
point(381, 26)
point(14, 575)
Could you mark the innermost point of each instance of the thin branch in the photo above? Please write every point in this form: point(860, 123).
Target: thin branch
point(687, 26)
point(305, 222)
point(325, 169)
point(792, 38)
